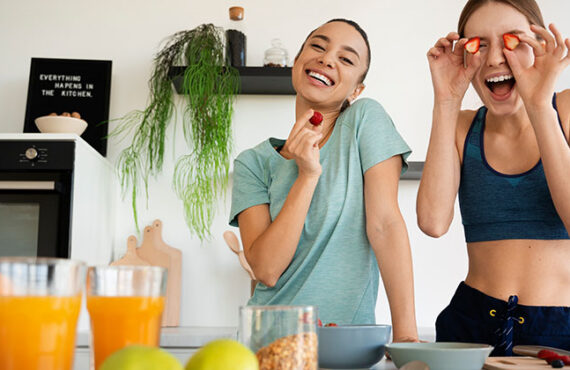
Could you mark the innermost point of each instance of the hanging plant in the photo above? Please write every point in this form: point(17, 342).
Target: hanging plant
point(209, 88)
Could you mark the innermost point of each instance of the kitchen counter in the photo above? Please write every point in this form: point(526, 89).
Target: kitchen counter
point(182, 342)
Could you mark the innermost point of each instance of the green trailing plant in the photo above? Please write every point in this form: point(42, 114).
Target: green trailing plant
point(209, 91)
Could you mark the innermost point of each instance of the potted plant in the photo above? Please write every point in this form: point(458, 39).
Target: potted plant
point(209, 90)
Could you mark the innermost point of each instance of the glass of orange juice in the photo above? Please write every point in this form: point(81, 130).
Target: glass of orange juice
point(125, 305)
point(40, 299)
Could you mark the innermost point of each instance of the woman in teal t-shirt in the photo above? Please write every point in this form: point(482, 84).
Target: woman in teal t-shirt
point(318, 213)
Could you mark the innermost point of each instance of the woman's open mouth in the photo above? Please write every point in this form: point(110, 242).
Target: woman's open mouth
point(501, 86)
point(319, 78)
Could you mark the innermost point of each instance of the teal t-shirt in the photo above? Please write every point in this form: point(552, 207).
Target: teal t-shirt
point(334, 266)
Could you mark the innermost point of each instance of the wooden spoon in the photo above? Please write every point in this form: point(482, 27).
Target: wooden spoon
point(232, 241)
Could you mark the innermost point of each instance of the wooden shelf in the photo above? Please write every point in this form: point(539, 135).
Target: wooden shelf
point(253, 80)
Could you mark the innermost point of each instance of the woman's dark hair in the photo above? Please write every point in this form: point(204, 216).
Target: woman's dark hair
point(346, 103)
point(356, 27)
point(528, 8)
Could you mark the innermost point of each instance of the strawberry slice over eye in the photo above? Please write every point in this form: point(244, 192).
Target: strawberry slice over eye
point(472, 46)
point(316, 119)
point(511, 41)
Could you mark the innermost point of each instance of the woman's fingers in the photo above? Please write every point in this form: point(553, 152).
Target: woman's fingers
point(460, 47)
point(546, 36)
point(301, 122)
point(537, 46)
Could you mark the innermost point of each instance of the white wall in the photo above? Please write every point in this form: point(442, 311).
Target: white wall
point(129, 33)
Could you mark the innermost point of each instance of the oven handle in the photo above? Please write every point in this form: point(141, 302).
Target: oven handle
point(27, 185)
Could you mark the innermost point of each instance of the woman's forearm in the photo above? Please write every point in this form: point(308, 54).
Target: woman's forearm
point(555, 155)
point(392, 249)
point(441, 173)
point(271, 253)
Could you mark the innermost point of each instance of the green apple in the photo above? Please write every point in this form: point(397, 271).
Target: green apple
point(223, 354)
point(141, 358)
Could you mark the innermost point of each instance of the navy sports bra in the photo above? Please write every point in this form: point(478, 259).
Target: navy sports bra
point(495, 206)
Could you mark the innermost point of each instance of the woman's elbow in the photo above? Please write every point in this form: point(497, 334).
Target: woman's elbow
point(268, 281)
point(266, 277)
point(432, 227)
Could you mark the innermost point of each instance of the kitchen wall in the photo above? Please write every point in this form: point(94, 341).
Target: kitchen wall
point(129, 33)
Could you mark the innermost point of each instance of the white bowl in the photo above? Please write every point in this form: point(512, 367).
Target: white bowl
point(441, 355)
point(61, 125)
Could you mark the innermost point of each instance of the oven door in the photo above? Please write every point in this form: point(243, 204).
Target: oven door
point(35, 215)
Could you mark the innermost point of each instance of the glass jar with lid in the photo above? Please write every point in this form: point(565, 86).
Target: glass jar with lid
point(276, 55)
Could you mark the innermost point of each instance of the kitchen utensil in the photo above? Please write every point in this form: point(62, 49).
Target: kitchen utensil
point(61, 124)
point(441, 355)
point(526, 350)
point(283, 337)
point(415, 365)
point(154, 250)
point(131, 257)
point(352, 346)
point(233, 242)
point(515, 363)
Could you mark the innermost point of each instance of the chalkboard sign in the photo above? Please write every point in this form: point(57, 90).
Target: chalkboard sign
point(71, 85)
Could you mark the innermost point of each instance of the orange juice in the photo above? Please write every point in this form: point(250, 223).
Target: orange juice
point(38, 332)
point(117, 322)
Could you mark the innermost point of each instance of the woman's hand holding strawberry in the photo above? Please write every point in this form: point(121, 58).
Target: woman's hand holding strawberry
point(536, 83)
point(302, 145)
point(449, 75)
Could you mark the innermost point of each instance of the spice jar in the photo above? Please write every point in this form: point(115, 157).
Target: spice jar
point(282, 337)
point(276, 55)
point(236, 40)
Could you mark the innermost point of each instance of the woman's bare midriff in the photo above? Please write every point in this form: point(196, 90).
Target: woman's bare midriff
point(537, 271)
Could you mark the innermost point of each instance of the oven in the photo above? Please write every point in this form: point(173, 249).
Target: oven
point(35, 198)
point(55, 198)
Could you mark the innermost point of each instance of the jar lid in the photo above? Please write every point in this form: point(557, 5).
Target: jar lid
point(236, 13)
point(276, 49)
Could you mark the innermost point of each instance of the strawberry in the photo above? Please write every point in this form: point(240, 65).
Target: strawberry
point(472, 46)
point(331, 324)
point(319, 322)
point(543, 354)
point(511, 41)
point(316, 119)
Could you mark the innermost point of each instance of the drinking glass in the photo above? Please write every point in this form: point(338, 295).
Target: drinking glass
point(125, 305)
point(282, 337)
point(40, 299)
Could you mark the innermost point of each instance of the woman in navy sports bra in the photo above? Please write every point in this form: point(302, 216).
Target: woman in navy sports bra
point(509, 162)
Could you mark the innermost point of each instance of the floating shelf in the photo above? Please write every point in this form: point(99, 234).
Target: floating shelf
point(253, 80)
point(414, 171)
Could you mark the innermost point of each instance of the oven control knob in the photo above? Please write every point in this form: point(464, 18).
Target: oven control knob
point(31, 154)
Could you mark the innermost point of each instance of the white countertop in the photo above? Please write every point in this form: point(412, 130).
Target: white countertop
point(179, 337)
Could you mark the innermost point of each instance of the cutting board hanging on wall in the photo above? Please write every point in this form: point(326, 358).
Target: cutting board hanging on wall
point(154, 250)
point(131, 257)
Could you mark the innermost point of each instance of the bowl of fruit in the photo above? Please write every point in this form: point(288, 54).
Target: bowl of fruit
point(65, 123)
point(352, 346)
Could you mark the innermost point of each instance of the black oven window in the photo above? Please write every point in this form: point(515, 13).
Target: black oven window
point(19, 229)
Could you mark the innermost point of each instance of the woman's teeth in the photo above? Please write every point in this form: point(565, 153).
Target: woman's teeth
point(321, 78)
point(499, 78)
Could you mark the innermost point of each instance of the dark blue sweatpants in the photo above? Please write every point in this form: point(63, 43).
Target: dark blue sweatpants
point(474, 317)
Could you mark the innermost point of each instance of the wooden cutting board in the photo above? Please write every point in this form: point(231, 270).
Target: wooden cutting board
point(131, 257)
point(154, 250)
point(515, 363)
